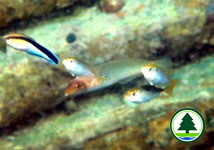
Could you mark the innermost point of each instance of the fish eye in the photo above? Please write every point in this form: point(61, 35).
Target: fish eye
point(71, 61)
point(77, 85)
point(150, 69)
point(133, 94)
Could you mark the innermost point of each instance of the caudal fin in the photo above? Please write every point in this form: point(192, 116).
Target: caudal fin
point(170, 88)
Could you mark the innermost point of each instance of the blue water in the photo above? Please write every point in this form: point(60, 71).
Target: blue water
point(187, 138)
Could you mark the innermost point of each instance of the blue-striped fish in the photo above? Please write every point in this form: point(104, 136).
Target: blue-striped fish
point(24, 43)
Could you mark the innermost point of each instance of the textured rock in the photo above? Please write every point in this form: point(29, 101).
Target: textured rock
point(104, 122)
point(13, 10)
point(30, 90)
point(168, 33)
point(29, 85)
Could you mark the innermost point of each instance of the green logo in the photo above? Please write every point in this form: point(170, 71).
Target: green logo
point(187, 125)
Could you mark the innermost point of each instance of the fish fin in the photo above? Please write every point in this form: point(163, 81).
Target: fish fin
point(170, 88)
point(165, 62)
point(167, 70)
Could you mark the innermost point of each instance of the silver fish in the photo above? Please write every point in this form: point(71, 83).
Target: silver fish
point(77, 67)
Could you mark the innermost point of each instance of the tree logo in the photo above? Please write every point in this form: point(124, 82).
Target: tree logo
point(187, 125)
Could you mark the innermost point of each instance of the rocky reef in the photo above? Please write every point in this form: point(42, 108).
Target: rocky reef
point(31, 88)
point(21, 10)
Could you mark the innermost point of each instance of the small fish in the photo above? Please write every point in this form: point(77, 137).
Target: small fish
point(107, 73)
point(75, 86)
point(77, 67)
point(155, 75)
point(146, 93)
point(102, 75)
point(142, 94)
point(81, 85)
point(24, 43)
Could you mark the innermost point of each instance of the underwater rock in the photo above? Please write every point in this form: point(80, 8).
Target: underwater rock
point(104, 122)
point(111, 6)
point(145, 30)
point(122, 34)
point(168, 33)
point(31, 90)
point(22, 9)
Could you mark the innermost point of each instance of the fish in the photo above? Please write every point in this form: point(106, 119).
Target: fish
point(81, 85)
point(146, 93)
point(120, 70)
point(102, 75)
point(109, 73)
point(157, 76)
point(74, 87)
point(27, 44)
point(77, 67)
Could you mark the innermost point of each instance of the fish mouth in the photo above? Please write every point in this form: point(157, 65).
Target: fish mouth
point(65, 61)
point(68, 91)
point(126, 97)
point(71, 90)
point(143, 69)
point(74, 87)
point(66, 64)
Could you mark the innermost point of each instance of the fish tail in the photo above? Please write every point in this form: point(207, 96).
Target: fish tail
point(170, 88)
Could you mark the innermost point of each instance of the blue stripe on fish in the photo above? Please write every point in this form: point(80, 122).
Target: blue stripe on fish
point(53, 58)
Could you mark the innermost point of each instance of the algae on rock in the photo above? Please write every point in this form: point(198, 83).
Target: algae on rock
point(141, 29)
point(101, 118)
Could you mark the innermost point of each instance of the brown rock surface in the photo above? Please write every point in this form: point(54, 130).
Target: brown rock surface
point(11, 10)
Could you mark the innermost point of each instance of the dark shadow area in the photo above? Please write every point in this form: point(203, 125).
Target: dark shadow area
point(194, 55)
